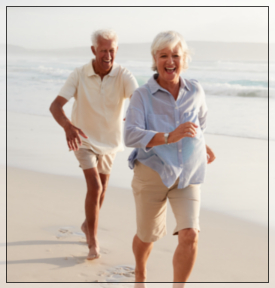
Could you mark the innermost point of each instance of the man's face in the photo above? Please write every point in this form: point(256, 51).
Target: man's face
point(104, 55)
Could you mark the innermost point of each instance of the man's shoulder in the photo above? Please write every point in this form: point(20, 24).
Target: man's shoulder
point(85, 68)
point(121, 70)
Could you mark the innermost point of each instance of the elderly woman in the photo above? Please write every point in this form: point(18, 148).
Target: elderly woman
point(165, 122)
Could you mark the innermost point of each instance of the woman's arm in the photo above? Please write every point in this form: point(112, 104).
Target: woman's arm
point(187, 129)
point(135, 133)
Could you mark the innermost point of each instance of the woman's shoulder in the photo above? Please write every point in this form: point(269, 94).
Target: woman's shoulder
point(141, 91)
point(194, 84)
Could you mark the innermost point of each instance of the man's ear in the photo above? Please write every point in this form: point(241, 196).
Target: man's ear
point(93, 50)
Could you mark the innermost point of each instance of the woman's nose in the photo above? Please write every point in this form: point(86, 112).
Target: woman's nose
point(170, 60)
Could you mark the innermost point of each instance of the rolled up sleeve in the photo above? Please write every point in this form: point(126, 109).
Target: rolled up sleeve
point(135, 133)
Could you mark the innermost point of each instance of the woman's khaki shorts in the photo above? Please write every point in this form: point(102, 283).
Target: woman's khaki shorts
point(151, 197)
point(88, 159)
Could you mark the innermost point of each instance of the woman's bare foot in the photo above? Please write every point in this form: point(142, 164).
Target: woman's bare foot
point(140, 285)
point(178, 285)
point(140, 276)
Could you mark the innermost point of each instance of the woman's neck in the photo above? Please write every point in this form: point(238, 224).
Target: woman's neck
point(171, 86)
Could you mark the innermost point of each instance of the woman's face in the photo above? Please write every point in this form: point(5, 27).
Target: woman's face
point(169, 62)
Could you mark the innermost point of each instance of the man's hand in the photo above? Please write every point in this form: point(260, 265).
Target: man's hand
point(72, 136)
point(187, 129)
point(210, 155)
point(72, 132)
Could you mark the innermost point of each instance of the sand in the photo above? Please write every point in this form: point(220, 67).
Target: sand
point(45, 243)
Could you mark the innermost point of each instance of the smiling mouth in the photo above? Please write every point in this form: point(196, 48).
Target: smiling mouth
point(107, 61)
point(170, 70)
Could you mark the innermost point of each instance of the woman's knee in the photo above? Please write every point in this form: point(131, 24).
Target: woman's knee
point(188, 236)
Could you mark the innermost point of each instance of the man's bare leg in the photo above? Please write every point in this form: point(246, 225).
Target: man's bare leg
point(141, 251)
point(92, 206)
point(185, 256)
point(104, 181)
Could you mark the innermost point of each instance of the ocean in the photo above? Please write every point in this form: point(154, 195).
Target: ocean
point(236, 92)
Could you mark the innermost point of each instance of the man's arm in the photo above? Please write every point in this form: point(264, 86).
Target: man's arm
point(72, 132)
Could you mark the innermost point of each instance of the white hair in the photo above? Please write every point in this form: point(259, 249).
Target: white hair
point(170, 39)
point(105, 34)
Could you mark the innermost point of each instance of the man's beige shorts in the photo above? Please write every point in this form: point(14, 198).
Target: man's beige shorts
point(151, 199)
point(89, 159)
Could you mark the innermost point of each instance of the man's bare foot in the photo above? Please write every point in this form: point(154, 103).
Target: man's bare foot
point(93, 253)
point(85, 231)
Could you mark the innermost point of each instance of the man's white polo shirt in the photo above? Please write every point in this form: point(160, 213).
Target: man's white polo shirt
point(98, 106)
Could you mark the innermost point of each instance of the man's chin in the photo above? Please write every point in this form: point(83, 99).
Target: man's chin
point(106, 66)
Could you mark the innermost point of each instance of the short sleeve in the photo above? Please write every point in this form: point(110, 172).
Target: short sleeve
point(69, 89)
point(130, 83)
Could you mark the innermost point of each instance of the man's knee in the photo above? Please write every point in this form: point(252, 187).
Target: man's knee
point(95, 190)
point(104, 181)
point(104, 188)
point(93, 181)
point(188, 237)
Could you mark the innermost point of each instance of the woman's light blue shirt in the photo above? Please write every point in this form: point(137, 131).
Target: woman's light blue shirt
point(152, 110)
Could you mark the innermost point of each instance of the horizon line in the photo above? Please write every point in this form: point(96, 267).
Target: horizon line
point(136, 43)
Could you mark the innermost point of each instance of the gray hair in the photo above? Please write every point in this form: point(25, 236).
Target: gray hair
point(170, 39)
point(105, 34)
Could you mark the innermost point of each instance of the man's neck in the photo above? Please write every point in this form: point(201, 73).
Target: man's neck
point(98, 72)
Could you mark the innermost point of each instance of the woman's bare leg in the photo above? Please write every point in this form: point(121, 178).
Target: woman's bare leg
point(185, 255)
point(141, 251)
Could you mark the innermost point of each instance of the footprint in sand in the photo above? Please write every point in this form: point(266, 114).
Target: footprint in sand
point(104, 251)
point(121, 273)
point(64, 232)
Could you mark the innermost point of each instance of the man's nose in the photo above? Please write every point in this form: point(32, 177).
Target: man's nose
point(108, 55)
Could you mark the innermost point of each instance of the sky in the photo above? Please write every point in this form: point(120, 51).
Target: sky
point(61, 27)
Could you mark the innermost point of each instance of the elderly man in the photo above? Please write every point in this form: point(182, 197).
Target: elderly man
point(95, 131)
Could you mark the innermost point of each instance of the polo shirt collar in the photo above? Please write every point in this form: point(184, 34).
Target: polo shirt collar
point(91, 71)
point(154, 86)
point(114, 70)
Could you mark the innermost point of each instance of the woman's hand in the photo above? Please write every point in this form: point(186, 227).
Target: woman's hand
point(210, 155)
point(187, 129)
